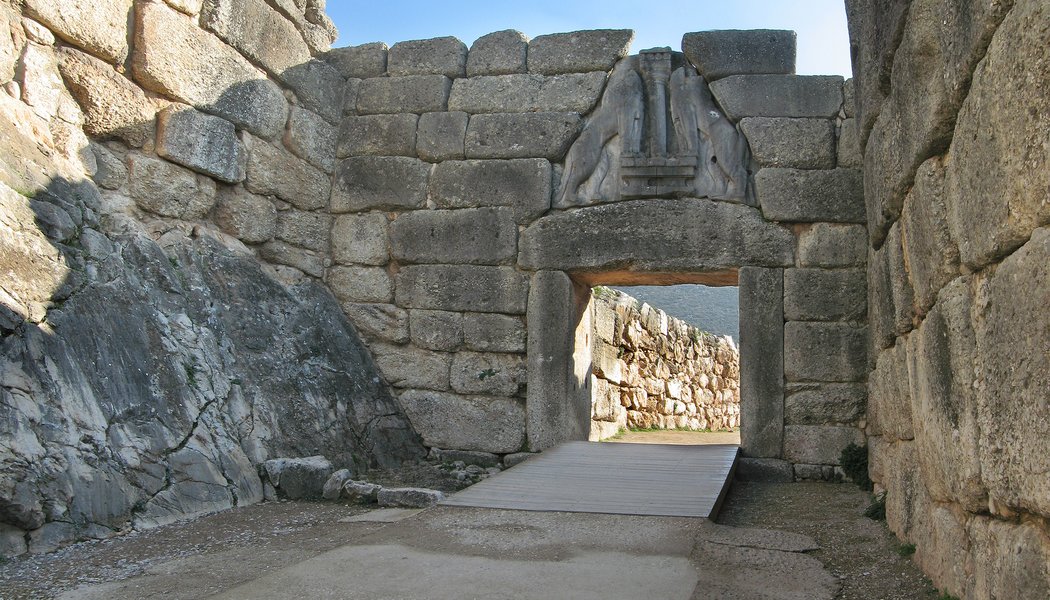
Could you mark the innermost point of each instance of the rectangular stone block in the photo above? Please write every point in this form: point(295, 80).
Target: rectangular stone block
point(825, 403)
point(436, 329)
point(716, 54)
point(436, 56)
point(480, 423)
point(833, 245)
point(819, 444)
point(246, 216)
point(304, 229)
point(113, 107)
point(523, 184)
point(100, 27)
point(761, 362)
point(578, 51)
point(204, 143)
point(849, 155)
point(360, 239)
point(462, 288)
point(413, 94)
point(383, 182)
point(832, 352)
point(359, 62)
point(479, 236)
point(275, 171)
point(521, 135)
point(169, 190)
point(379, 135)
point(281, 253)
point(488, 373)
point(493, 333)
point(383, 322)
point(361, 284)
point(825, 295)
point(440, 136)
point(779, 95)
point(791, 143)
point(889, 395)
point(311, 138)
point(929, 251)
point(577, 92)
point(409, 367)
point(499, 53)
point(835, 195)
point(252, 27)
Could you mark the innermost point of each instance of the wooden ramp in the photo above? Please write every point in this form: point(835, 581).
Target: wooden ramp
point(600, 477)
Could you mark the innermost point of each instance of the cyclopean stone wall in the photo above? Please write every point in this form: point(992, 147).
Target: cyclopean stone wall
point(953, 114)
point(651, 370)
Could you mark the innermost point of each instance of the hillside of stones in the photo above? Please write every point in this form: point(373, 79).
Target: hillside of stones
point(712, 309)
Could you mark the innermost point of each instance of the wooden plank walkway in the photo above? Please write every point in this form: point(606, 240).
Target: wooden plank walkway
point(600, 477)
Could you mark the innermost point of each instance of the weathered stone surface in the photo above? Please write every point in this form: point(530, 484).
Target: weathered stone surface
point(577, 92)
point(849, 155)
point(499, 53)
point(280, 253)
point(1011, 406)
point(437, 56)
point(825, 295)
point(889, 395)
point(761, 375)
point(296, 478)
point(275, 171)
point(480, 236)
point(367, 182)
point(578, 51)
point(100, 28)
point(382, 135)
point(929, 251)
point(521, 135)
point(770, 470)
point(190, 7)
point(304, 229)
point(892, 289)
point(333, 488)
point(318, 87)
point(361, 491)
point(414, 94)
point(201, 142)
point(779, 95)
point(361, 284)
point(493, 333)
point(436, 329)
point(41, 83)
point(481, 423)
point(408, 367)
point(791, 143)
point(524, 185)
point(999, 170)
point(835, 195)
point(469, 457)
point(409, 497)
point(12, 541)
point(384, 322)
point(360, 239)
point(1016, 558)
point(169, 190)
point(833, 245)
point(254, 28)
point(51, 537)
point(9, 49)
point(111, 173)
point(876, 28)
point(249, 218)
point(833, 352)
point(311, 138)
point(820, 445)
point(716, 54)
point(440, 136)
point(166, 59)
point(488, 373)
point(824, 403)
point(112, 105)
point(359, 62)
point(686, 235)
point(462, 288)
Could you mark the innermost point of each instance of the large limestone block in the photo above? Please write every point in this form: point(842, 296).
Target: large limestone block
point(523, 184)
point(383, 322)
point(479, 236)
point(308, 230)
point(825, 295)
point(521, 135)
point(275, 171)
point(1014, 557)
point(875, 28)
point(454, 422)
point(834, 195)
point(408, 367)
point(493, 333)
point(202, 142)
point(436, 330)
point(499, 53)
point(318, 87)
point(169, 190)
point(833, 245)
point(385, 182)
point(359, 62)
point(779, 95)
point(818, 444)
point(412, 94)
point(167, 60)
point(848, 152)
point(687, 235)
point(361, 284)
point(9, 49)
point(246, 216)
point(361, 239)
point(999, 172)
point(791, 143)
point(889, 395)
point(281, 253)
point(436, 56)
point(832, 352)
point(100, 28)
point(463, 288)
point(112, 105)
point(716, 54)
point(258, 31)
point(824, 403)
point(929, 251)
point(378, 135)
point(311, 138)
point(942, 549)
point(576, 92)
point(488, 373)
point(1013, 371)
point(762, 370)
point(440, 136)
point(578, 51)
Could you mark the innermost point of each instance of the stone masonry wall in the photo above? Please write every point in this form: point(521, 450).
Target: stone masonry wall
point(953, 116)
point(651, 370)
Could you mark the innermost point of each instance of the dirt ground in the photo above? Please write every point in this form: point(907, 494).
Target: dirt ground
point(265, 537)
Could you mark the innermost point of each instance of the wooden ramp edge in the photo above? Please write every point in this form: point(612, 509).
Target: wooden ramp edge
point(625, 479)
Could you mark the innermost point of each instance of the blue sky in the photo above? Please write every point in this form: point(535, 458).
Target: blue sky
point(823, 44)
